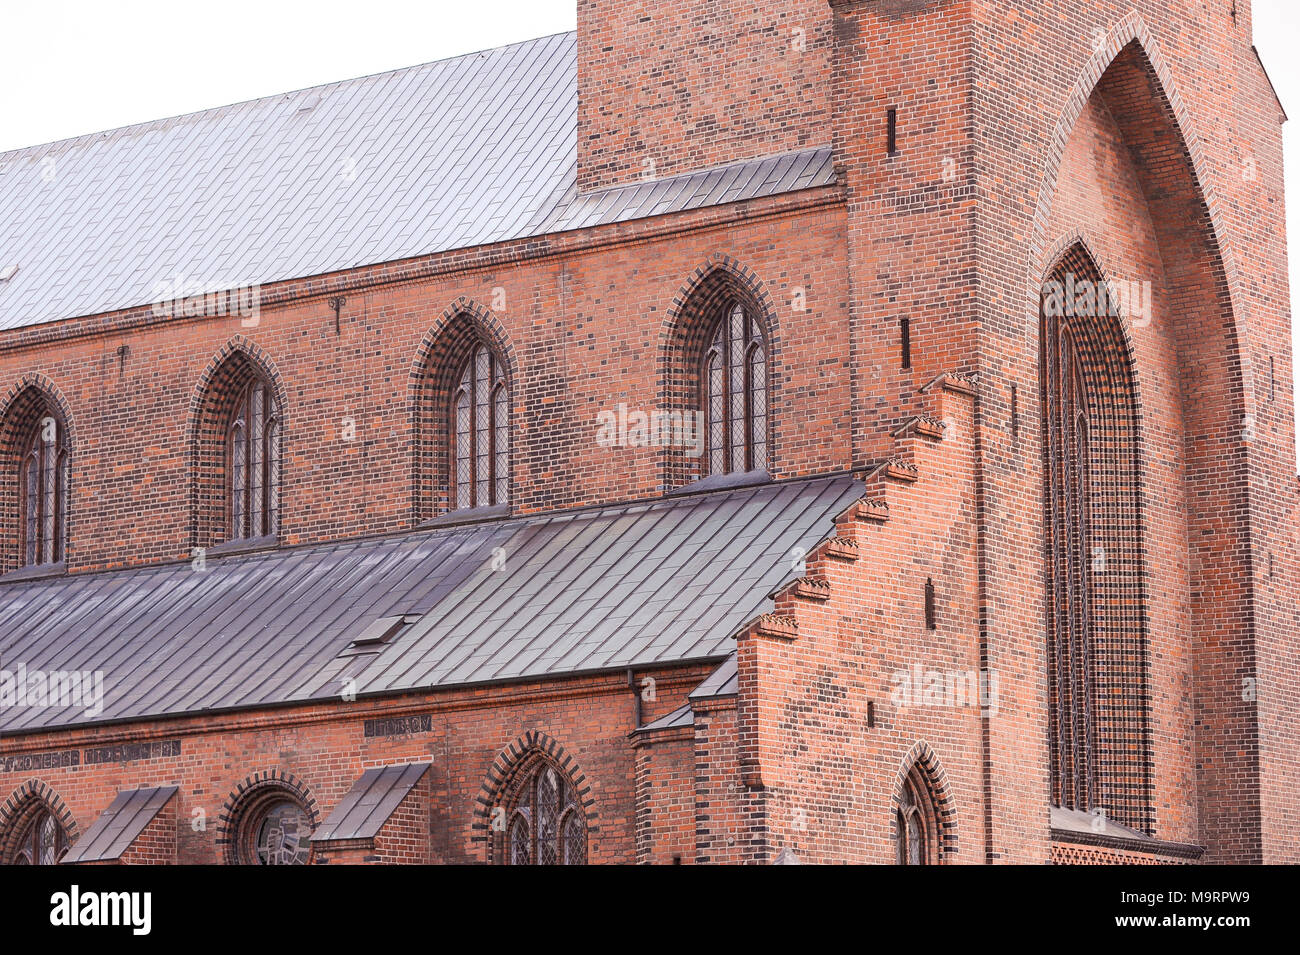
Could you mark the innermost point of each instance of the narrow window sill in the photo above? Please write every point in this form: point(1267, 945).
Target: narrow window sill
point(243, 545)
point(36, 572)
point(468, 515)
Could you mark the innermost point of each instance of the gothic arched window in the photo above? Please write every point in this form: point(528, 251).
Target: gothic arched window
point(253, 462)
point(545, 825)
point(480, 428)
point(734, 393)
point(43, 492)
point(1068, 467)
point(43, 841)
point(914, 826)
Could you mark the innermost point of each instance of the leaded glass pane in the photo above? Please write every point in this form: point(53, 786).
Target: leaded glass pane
point(482, 426)
point(501, 443)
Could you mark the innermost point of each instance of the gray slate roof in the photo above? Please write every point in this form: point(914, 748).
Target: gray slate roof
point(120, 824)
point(370, 802)
point(449, 155)
point(597, 589)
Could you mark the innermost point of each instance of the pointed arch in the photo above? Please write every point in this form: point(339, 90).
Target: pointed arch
point(921, 768)
point(1096, 607)
point(240, 375)
point(24, 808)
point(1131, 44)
point(36, 453)
point(1206, 327)
point(436, 374)
point(510, 773)
point(743, 393)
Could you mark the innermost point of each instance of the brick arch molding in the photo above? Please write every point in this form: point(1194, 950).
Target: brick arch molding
point(1131, 31)
point(213, 392)
point(681, 343)
point(25, 801)
point(251, 791)
point(17, 409)
point(436, 361)
point(521, 755)
point(921, 756)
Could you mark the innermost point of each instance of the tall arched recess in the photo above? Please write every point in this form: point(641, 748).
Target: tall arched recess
point(1140, 187)
point(238, 422)
point(1095, 600)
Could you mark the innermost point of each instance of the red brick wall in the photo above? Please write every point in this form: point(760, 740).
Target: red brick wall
point(1175, 74)
point(665, 797)
point(582, 333)
point(321, 751)
point(723, 817)
point(825, 768)
point(156, 845)
point(665, 88)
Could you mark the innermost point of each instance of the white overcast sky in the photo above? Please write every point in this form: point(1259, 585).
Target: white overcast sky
point(78, 66)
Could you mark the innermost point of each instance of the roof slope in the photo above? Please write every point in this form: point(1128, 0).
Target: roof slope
point(449, 155)
point(370, 802)
point(120, 824)
point(605, 588)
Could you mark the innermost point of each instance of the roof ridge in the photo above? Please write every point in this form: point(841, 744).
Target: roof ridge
point(89, 137)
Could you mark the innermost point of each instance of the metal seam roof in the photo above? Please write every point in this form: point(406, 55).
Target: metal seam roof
point(639, 584)
point(120, 824)
point(449, 155)
point(371, 801)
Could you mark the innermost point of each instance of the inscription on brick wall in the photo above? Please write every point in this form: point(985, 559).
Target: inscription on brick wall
point(399, 726)
point(32, 761)
point(124, 753)
point(127, 752)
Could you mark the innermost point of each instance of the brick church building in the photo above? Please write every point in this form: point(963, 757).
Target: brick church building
point(799, 432)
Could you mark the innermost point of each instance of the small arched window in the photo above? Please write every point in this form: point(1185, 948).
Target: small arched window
point(734, 393)
point(914, 825)
point(480, 428)
point(43, 841)
point(253, 462)
point(43, 492)
point(546, 826)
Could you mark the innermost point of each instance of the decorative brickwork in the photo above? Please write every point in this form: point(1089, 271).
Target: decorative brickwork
point(244, 803)
point(694, 313)
point(239, 363)
point(434, 377)
point(23, 805)
point(501, 788)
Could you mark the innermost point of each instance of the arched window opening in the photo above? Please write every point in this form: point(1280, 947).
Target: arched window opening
point(43, 492)
point(273, 828)
point(253, 463)
point(480, 432)
point(546, 825)
point(43, 841)
point(734, 393)
point(915, 828)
